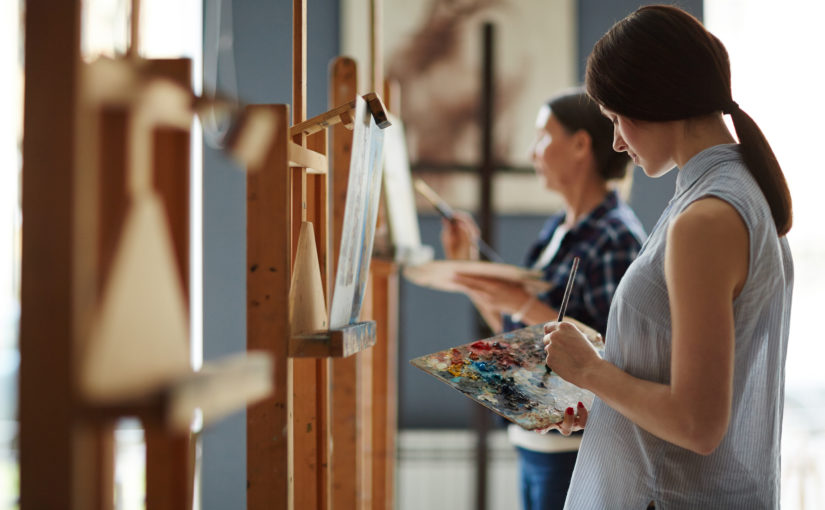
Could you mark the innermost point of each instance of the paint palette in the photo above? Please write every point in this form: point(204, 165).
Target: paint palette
point(506, 373)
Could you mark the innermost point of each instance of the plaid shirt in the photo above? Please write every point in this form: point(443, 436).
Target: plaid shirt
point(607, 240)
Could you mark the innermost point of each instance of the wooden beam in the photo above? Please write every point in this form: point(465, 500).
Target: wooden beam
point(49, 431)
point(318, 213)
point(301, 157)
point(364, 436)
point(341, 114)
point(376, 68)
point(384, 281)
point(343, 384)
point(268, 278)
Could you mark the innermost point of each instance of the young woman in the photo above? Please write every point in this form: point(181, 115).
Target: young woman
point(690, 394)
point(572, 155)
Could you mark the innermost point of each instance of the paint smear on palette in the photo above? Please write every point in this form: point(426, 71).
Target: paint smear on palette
point(506, 373)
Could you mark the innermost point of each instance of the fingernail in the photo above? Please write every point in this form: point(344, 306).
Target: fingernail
point(569, 410)
point(581, 405)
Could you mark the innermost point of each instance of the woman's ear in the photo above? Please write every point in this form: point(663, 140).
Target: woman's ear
point(582, 142)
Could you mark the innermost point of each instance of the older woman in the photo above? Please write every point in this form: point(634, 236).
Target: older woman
point(572, 155)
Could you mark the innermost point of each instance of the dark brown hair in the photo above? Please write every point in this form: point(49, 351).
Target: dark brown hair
point(576, 111)
point(661, 64)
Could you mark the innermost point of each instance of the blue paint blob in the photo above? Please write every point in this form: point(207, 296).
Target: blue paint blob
point(483, 366)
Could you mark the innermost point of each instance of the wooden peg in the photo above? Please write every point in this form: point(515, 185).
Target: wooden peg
point(377, 109)
point(251, 136)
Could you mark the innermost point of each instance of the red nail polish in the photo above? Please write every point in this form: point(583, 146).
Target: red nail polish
point(569, 410)
point(581, 405)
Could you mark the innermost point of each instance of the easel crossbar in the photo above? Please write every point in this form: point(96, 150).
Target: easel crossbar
point(301, 157)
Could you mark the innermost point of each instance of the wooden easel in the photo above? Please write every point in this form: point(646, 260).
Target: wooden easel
point(311, 444)
point(106, 167)
point(370, 411)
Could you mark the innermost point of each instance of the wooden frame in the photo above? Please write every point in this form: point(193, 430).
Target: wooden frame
point(74, 193)
point(83, 145)
point(322, 376)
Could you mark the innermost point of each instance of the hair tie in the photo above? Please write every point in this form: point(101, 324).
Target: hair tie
point(731, 107)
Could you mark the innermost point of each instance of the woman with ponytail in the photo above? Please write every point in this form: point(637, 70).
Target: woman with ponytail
point(690, 392)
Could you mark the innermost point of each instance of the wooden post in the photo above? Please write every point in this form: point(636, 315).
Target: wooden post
point(309, 378)
point(169, 465)
point(51, 433)
point(482, 418)
point(343, 391)
point(267, 279)
point(384, 284)
point(384, 290)
point(376, 54)
point(364, 412)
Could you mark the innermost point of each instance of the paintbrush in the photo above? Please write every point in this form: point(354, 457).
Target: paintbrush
point(447, 213)
point(567, 290)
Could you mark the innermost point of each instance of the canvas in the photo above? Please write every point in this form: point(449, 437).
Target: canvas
point(358, 233)
point(402, 217)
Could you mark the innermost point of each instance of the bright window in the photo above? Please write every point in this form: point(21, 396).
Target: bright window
point(777, 74)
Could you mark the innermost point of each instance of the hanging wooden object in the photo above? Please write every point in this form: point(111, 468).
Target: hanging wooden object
point(139, 341)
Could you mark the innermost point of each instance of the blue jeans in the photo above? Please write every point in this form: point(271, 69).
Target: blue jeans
point(544, 478)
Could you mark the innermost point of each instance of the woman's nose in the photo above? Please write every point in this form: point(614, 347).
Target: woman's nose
point(618, 143)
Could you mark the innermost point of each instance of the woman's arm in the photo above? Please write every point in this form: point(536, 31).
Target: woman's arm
point(501, 296)
point(490, 314)
point(706, 264)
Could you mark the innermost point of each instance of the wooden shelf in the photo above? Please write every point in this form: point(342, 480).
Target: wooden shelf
point(218, 389)
point(335, 343)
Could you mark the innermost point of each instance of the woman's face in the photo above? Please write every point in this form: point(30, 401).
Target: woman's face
point(552, 150)
point(647, 143)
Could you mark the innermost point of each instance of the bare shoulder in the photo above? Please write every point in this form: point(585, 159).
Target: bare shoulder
point(709, 218)
point(710, 237)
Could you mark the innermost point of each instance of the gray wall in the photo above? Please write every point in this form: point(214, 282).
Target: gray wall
point(262, 46)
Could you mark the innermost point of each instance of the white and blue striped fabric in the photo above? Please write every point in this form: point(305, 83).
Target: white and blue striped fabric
point(622, 466)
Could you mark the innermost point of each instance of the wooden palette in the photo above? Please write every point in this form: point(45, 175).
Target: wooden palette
point(506, 374)
point(439, 274)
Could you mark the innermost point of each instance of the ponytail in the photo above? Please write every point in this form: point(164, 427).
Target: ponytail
point(765, 169)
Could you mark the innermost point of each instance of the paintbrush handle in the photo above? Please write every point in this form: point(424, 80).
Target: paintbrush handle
point(447, 213)
point(487, 251)
point(568, 289)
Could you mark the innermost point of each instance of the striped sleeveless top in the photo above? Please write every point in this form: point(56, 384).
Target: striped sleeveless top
point(622, 466)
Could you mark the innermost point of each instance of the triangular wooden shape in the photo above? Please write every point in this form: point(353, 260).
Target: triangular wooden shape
point(307, 307)
point(139, 340)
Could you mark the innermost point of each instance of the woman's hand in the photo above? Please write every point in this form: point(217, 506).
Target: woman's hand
point(569, 353)
point(492, 293)
point(573, 421)
point(459, 237)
